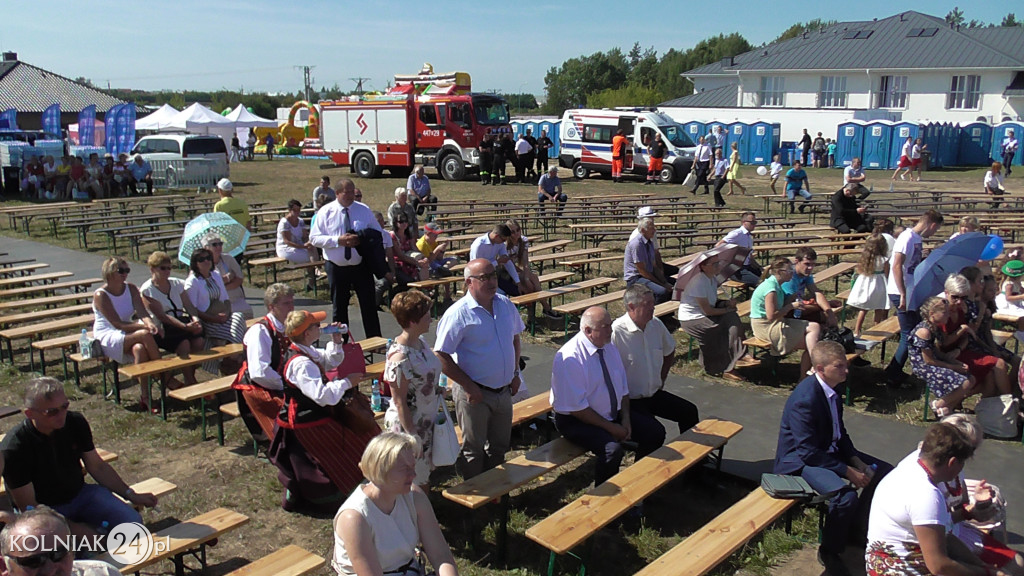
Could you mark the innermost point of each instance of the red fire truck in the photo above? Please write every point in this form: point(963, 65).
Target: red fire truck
point(422, 122)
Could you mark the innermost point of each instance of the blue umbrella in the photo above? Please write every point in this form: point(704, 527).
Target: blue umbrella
point(930, 275)
point(234, 235)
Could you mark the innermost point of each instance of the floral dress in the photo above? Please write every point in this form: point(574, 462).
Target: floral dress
point(421, 369)
point(940, 380)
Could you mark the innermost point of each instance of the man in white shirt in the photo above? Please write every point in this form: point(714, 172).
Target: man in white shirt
point(647, 350)
point(258, 386)
point(750, 272)
point(478, 345)
point(335, 231)
point(590, 397)
point(1009, 150)
point(323, 188)
point(702, 165)
point(906, 255)
point(854, 174)
point(492, 247)
point(523, 149)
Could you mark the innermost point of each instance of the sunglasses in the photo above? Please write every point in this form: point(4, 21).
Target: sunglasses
point(486, 277)
point(37, 560)
point(204, 259)
point(54, 411)
point(124, 270)
point(165, 268)
point(957, 297)
point(216, 244)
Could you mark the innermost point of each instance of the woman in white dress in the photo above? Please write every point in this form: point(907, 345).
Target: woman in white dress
point(230, 273)
point(293, 239)
point(122, 325)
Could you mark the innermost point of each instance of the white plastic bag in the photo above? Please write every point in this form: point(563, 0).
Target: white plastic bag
point(446, 443)
point(690, 179)
point(998, 416)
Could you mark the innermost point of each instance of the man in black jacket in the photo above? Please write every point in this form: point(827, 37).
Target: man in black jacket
point(847, 216)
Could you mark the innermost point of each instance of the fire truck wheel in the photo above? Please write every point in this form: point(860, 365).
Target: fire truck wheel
point(453, 168)
point(364, 165)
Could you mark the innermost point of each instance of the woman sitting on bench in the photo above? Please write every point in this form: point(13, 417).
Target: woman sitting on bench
point(205, 288)
point(165, 299)
point(292, 242)
point(380, 526)
point(768, 321)
point(519, 252)
point(114, 305)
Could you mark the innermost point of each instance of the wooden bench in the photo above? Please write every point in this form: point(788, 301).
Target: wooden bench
point(699, 553)
point(33, 331)
point(44, 302)
point(184, 538)
point(20, 317)
point(201, 392)
point(23, 270)
point(147, 370)
point(288, 561)
point(155, 486)
point(529, 301)
point(579, 306)
point(76, 285)
point(49, 277)
point(567, 528)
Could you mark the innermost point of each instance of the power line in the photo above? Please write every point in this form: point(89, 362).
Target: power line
point(359, 84)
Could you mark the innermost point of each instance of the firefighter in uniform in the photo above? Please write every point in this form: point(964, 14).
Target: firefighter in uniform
point(543, 145)
point(486, 159)
point(656, 150)
point(503, 148)
point(618, 155)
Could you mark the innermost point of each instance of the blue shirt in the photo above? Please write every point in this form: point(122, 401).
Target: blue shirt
point(549, 184)
point(483, 248)
point(638, 249)
point(481, 344)
point(797, 284)
point(418, 184)
point(795, 179)
point(139, 171)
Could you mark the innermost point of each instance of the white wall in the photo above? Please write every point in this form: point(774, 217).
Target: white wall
point(792, 121)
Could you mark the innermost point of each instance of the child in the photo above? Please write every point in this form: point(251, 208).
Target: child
point(989, 290)
point(947, 378)
point(868, 292)
point(966, 224)
point(830, 146)
point(776, 171)
point(1010, 299)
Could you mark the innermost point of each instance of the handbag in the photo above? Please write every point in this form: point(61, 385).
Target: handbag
point(998, 415)
point(786, 487)
point(843, 336)
point(690, 179)
point(354, 362)
point(354, 412)
point(446, 446)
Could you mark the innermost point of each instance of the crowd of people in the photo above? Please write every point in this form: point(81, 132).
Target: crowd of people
point(73, 177)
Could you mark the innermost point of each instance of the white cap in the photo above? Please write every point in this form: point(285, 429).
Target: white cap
point(646, 212)
point(225, 185)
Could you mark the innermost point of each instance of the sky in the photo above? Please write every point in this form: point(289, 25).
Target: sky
point(260, 46)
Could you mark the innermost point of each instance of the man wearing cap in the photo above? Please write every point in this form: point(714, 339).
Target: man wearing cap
point(433, 250)
point(336, 229)
point(549, 188)
point(750, 272)
point(230, 205)
point(492, 247)
point(139, 171)
point(478, 345)
point(666, 269)
point(638, 263)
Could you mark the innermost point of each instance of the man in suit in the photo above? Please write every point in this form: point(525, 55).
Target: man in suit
point(813, 444)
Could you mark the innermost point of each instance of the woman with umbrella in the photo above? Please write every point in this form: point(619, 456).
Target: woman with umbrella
point(768, 310)
point(230, 273)
point(712, 322)
point(206, 290)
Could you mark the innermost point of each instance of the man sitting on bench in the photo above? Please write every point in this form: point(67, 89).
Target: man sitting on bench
point(750, 273)
point(813, 444)
point(817, 308)
point(44, 456)
point(590, 397)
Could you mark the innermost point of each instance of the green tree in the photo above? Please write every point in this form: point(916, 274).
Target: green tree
point(955, 17)
point(673, 64)
point(629, 95)
point(521, 102)
point(569, 84)
point(801, 27)
point(643, 65)
point(1011, 20)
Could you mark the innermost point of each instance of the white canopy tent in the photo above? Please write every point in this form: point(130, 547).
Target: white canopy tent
point(198, 119)
point(245, 119)
point(158, 119)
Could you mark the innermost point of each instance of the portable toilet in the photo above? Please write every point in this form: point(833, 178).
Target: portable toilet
point(738, 133)
point(553, 127)
point(900, 132)
point(849, 142)
point(762, 142)
point(950, 144)
point(933, 139)
point(710, 127)
point(877, 141)
point(999, 133)
point(694, 129)
point(975, 144)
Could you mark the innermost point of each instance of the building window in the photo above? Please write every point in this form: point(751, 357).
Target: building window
point(772, 91)
point(833, 92)
point(964, 93)
point(892, 92)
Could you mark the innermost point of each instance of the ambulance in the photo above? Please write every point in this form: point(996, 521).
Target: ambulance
point(586, 137)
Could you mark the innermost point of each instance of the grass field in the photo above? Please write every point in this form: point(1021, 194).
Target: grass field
point(209, 476)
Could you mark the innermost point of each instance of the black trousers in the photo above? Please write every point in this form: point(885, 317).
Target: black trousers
point(702, 169)
point(521, 165)
point(343, 280)
point(719, 184)
point(647, 432)
point(865, 225)
point(542, 162)
point(1007, 160)
point(668, 406)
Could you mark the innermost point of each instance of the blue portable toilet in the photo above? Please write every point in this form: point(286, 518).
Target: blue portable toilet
point(850, 142)
point(709, 128)
point(694, 129)
point(950, 144)
point(975, 144)
point(553, 127)
point(738, 133)
point(933, 141)
point(999, 133)
point(762, 142)
point(900, 132)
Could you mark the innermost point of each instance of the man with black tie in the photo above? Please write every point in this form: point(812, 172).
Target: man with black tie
point(335, 230)
point(702, 165)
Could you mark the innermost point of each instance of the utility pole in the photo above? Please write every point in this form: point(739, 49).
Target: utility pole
point(307, 80)
point(359, 84)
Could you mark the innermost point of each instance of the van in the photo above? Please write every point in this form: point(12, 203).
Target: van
point(168, 154)
point(586, 137)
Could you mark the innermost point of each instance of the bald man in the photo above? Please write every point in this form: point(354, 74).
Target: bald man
point(590, 397)
point(35, 543)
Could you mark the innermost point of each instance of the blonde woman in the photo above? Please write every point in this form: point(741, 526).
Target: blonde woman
point(734, 170)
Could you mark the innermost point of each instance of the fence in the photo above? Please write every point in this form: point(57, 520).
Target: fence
point(188, 173)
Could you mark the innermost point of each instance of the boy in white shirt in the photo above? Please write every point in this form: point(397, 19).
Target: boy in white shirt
point(775, 172)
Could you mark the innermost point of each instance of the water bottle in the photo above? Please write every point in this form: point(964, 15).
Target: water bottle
point(375, 396)
point(444, 382)
point(390, 341)
point(84, 345)
point(797, 312)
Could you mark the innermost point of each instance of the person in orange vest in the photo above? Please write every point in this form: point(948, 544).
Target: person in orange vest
point(618, 155)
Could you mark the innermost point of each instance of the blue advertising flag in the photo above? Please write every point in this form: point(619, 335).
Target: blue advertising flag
point(87, 126)
point(110, 130)
point(129, 141)
point(51, 119)
point(11, 115)
point(124, 124)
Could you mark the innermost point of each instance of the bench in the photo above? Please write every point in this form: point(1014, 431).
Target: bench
point(76, 285)
point(583, 266)
point(567, 528)
point(20, 317)
point(699, 553)
point(22, 270)
point(155, 486)
point(201, 392)
point(32, 331)
point(288, 561)
point(45, 301)
point(188, 537)
point(580, 306)
point(45, 278)
point(152, 368)
point(530, 300)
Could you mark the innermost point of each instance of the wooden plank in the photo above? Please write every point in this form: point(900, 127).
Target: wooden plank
point(531, 408)
point(504, 478)
point(9, 282)
point(568, 527)
point(162, 365)
point(45, 301)
point(44, 314)
point(581, 305)
point(716, 540)
point(197, 391)
point(84, 283)
point(155, 486)
point(31, 330)
point(288, 561)
point(185, 536)
point(533, 297)
point(23, 269)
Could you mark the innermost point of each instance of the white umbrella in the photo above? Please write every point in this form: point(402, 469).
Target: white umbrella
point(731, 256)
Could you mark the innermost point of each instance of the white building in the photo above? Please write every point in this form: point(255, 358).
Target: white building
point(910, 66)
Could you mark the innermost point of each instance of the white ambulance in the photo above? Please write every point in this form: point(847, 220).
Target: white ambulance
point(586, 142)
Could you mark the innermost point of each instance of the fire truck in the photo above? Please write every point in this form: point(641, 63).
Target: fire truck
point(429, 119)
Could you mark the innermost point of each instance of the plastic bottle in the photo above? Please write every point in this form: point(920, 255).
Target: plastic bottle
point(375, 396)
point(797, 312)
point(84, 345)
point(444, 382)
point(390, 342)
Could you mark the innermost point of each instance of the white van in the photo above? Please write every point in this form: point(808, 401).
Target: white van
point(586, 137)
point(172, 155)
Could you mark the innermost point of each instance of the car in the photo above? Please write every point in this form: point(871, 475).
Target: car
point(169, 155)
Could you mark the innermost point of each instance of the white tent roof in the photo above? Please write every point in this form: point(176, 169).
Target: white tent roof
point(245, 119)
point(158, 119)
point(197, 118)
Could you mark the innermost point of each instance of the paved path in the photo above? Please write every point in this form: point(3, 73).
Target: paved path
point(748, 454)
